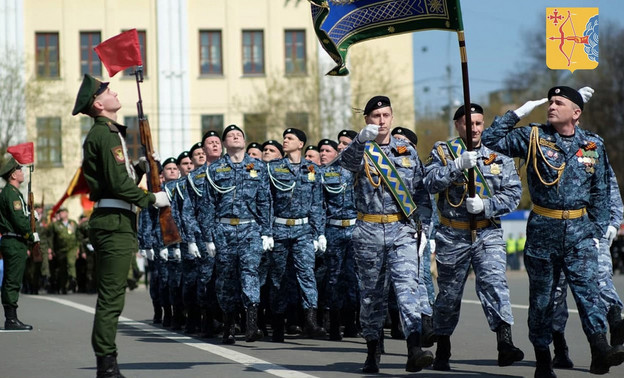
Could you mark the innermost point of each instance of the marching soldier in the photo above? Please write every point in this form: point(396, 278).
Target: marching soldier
point(456, 252)
point(567, 173)
point(312, 154)
point(345, 137)
point(16, 233)
point(65, 247)
point(254, 150)
point(113, 186)
point(388, 187)
point(271, 150)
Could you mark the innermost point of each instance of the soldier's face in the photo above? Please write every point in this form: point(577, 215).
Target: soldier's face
point(212, 146)
point(381, 117)
point(270, 153)
point(170, 172)
point(186, 165)
point(291, 143)
point(234, 140)
point(313, 156)
point(343, 142)
point(561, 111)
point(198, 157)
point(477, 128)
point(108, 101)
point(18, 175)
point(328, 154)
point(63, 215)
point(255, 153)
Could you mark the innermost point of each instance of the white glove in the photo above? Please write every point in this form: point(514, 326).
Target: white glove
point(432, 245)
point(162, 200)
point(597, 242)
point(144, 164)
point(368, 133)
point(155, 156)
point(610, 234)
point(267, 243)
point(36, 215)
point(90, 247)
point(143, 252)
point(528, 107)
point(193, 250)
point(474, 205)
point(586, 93)
point(149, 254)
point(164, 254)
point(322, 243)
point(316, 245)
point(177, 254)
point(212, 249)
point(36, 237)
point(423, 243)
point(466, 160)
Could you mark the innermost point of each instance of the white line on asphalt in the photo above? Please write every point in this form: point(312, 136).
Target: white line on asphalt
point(523, 307)
point(241, 358)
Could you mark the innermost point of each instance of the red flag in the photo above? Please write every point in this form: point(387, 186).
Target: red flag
point(120, 52)
point(78, 185)
point(23, 153)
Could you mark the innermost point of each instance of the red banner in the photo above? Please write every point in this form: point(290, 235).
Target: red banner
point(120, 52)
point(23, 153)
point(78, 185)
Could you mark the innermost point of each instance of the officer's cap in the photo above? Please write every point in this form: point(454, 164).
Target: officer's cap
point(328, 142)
point(195, 147)
point(275, 144)
point(183, 155)
point(254, 145)
point(567, 92)
point(376, 102)
point(8, 168)
point(461, 111)
point(296, 132)
point(170, 160)
point(208, 134)
point(409, 134)
point(89, 90)
point(351, 134)
point(231, 128)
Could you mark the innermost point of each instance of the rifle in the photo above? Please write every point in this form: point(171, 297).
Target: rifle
point(35, 249)
point(170, 232)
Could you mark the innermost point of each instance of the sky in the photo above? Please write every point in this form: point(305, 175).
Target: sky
point(493, 31)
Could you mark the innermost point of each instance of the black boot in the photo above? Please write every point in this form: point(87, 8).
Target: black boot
point(177, 320)
point(293, 320)
point(417, 359)
point(107, 367)
point(507, 352)
point(543, 364)
point(350, 326)
point(334, 325)
point(311, 329)
point(562, 359)
point(603, 355)
point(167, 317)
point(396, 330)
point(616, 325)
point(443, 353)
point(277, 326)
point(192, 320)
point(428, 335)
point(253, 333)
point(371, 365)
point(12, 323)
point(229, 328)
point(207, 326)
point(157, 319)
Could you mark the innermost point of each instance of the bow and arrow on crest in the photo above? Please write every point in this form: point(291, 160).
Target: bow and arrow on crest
point(563, 37)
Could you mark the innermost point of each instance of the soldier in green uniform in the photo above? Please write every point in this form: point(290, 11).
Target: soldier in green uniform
point(113, 186)
point(65, 246)
point(16, 232)
point(86, 278)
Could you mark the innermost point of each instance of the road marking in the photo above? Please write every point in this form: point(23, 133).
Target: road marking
point(241, 358)
point(522, 307)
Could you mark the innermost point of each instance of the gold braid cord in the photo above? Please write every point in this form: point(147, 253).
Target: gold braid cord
point(532, 154)
point(368, 173)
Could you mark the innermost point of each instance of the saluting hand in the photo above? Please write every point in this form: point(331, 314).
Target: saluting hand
point(528, 107)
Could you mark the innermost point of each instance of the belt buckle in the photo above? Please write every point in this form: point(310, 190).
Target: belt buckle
point(565, 214)
point(234, 221)
point(346, 223)
point(384, 219)
point(290, 222)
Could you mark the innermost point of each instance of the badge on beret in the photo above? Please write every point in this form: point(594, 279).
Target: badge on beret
point(17, 205)
point(118, 155)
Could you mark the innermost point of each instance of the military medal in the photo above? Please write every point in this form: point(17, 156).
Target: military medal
point(495, 169)
point(311, 176)
point(406, 162)
point(253, 173)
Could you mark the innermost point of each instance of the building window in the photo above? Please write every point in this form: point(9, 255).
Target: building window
point(143, 47)
point(298, 121)
point(47, 55)
point(253, 52)
point(255, 125)
point(133, 139)
point(211, 122)
point(210, 60)
point(49, 142)
point(89, 61)
point(295, 52)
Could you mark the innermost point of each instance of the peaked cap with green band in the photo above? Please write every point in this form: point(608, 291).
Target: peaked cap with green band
point(89, 89)
point(8, 168)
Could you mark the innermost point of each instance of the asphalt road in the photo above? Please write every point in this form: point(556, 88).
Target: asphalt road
point(59, 345)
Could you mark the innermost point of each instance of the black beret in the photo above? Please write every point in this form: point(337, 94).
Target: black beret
point(311, 147)
point(254, 145)
point(376, 102)
point(411, 136)
point(298, 133)
point(231, 128)
point(328, 142)
point(170, 160)
point(351, 134)
point(195, 147)
point(183, 155)
point(567, 92)
point(474, 108)
point(89, 90)
point(209, 133)
point(275, 144)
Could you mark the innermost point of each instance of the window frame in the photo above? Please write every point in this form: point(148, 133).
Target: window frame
point(47, 63)
point(296, 70)
point(210, 72)
point(254, 71)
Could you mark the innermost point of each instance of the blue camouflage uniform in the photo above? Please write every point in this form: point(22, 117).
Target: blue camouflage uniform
point(173, 276)
point(455, 250)
point(146, 239)
point(574, 202)
point(387, 253)
point(298, 221)
point(338, 195)
point(238, 211)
